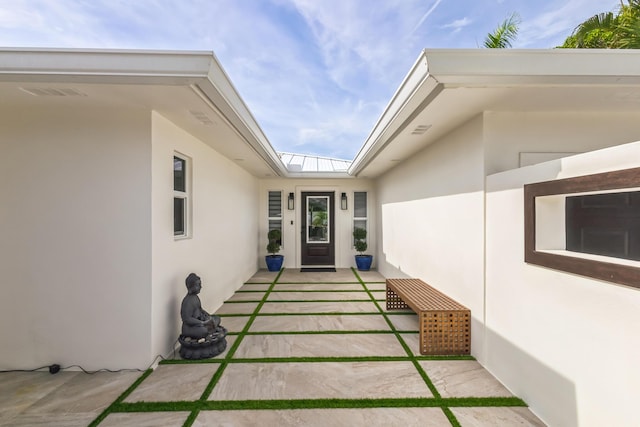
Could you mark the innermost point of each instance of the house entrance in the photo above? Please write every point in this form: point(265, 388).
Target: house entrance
point(318, 229)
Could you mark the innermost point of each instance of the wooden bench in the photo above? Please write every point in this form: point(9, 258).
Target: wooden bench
point(445, 324)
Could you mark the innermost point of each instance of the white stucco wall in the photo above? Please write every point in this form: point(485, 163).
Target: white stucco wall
point(507, 134)
point(564, 343)
point(431, 220)
point(76, 238)
point(291, 218)
point(223, 247)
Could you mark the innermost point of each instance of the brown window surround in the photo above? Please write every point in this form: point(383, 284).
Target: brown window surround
point(608, 181)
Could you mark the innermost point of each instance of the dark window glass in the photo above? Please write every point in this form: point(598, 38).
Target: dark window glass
point(360, 204)
point(275, 204)
point(604, 224)
point(178, 216)
point(179, 174)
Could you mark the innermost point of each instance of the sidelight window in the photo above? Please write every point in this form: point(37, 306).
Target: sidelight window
point(181, 199)
point(275, 212)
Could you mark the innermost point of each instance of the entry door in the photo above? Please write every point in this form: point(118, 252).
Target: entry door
point(318, 229)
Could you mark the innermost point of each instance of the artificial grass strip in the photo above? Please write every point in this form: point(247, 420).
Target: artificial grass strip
point(226, 405)
point(242, 302)
point(451, 417)
point(120, 398)
point(318, 283)
point(214, 380)
point(468, 402)
point(191, 418)
point(319, 359)
point(178, 406)
point(316, 359)
point(323, 332)
point(321, 313)
point(314, 290)
point(190, 361)
point(408, 402)
point(195, 407)
point(333, 313)
point(278, 301)
point(234, 315)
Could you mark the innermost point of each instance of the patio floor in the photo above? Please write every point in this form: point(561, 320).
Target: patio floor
point(304, 349)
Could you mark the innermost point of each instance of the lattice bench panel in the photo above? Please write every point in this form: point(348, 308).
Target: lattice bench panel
point(445, 324)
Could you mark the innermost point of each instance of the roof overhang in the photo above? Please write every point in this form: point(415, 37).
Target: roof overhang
point(189, 88)
point(446, 88)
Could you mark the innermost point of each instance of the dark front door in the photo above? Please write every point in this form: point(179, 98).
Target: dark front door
point(318, 232)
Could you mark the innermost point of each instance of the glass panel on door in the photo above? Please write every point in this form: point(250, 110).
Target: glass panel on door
point(318, 220)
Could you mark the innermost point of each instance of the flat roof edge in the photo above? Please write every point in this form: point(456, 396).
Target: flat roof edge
point(450, 68)
point(94, 63)
point(415, 78)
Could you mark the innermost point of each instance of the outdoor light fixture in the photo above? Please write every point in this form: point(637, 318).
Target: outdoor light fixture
point(343, 201)
point(290, 202)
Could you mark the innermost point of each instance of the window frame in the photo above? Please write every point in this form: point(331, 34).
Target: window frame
point(276, 218)
point(602, 270)
point(183, 195)
point(360, 218)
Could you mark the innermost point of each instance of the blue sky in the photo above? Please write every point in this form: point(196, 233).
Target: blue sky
point(316, 74)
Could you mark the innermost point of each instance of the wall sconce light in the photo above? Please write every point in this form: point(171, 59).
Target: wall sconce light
point(343, 201)
point(290, 202)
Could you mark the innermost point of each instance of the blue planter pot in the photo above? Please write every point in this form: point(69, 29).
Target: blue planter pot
point(274, 262)
point(363, 262)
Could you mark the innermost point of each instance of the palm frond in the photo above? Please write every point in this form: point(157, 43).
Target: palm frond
point(503, 36)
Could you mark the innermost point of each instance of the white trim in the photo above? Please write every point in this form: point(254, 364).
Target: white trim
point(186, 195)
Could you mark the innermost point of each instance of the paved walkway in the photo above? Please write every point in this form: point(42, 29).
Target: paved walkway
point(304, 349)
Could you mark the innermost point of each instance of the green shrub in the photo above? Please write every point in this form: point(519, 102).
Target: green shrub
point(274, 236)
point(360, 235)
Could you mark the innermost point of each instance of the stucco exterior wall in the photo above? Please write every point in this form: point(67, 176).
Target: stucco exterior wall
point(564, 343)
point(223, 247)
point(431, 220)
point(507, 134)
point(76, 232)
point(291, 218)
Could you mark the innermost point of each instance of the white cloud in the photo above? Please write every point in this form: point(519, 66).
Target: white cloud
point(458, 24)
point(316, 74)
point(550, 26)
point(426, 15)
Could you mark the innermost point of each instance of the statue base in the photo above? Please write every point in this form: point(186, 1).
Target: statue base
point(203, 348)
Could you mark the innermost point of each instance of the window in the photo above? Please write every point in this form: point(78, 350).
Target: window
point(275, 212)
point(181, 198)
point(318, 220)
point(568, 229)
point(605, 224)
point(359, 210)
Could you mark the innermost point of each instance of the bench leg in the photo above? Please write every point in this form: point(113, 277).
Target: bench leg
point(444, 333)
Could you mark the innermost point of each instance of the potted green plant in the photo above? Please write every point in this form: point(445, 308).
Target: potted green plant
point(363, 262)
point(274, 261)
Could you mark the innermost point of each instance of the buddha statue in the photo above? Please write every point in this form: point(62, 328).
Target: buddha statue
point(202, 335)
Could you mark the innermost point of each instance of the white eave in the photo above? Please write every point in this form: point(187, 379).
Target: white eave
point(446, 87)
point(206, 95)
